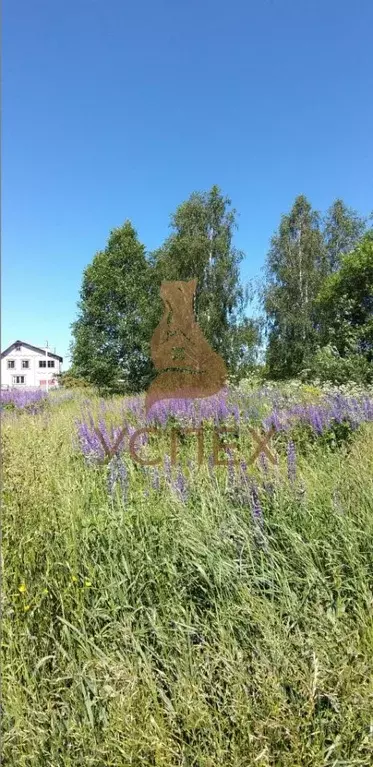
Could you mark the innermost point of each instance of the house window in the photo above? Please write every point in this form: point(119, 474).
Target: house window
point(42, 363)
point(25, 364)
point(18, 379)
point(51, 363)
point(11, 364)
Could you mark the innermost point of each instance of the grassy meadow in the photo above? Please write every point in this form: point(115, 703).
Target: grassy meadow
point(203, 617)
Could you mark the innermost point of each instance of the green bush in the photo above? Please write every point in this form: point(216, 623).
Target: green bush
point(73, 382)
point(328, 366)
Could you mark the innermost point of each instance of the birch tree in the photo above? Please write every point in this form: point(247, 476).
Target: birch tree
point(294, 271)
point(201, 245)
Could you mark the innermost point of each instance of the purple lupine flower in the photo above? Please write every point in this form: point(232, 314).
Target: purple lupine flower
point(236, 413)
point(320, 416)
point(155, 479)
point(116, 433)
point(317, 418)
point(367, 409)
point(256, 508)
point(274, 420)
point(269, 488)
point(222, 410)
point(97, 443)
point(231, 467)
point(291, 461)
point(89, 442)
point(263, 463)
point(167, 469)
point(104, 432)
point(158, 413)
point(244, 478)
point(180, 486)
point(243, 469)
point(29, 400)
point(181, 409)
point(117, 477)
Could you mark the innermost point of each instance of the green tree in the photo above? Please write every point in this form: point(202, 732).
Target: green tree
point(111, 335)
point(294, 269)
point(345, 304)
point(342, 230)
point(201, 246)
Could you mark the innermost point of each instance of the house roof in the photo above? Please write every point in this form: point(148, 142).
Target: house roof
point(29, 346)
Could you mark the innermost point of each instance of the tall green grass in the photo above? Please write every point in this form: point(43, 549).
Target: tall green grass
point(153, 632)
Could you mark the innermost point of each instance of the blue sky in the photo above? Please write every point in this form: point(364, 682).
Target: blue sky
point(116, 110)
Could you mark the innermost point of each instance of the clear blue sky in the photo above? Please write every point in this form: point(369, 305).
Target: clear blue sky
point(115, 110)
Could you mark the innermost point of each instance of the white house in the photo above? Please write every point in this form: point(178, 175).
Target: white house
point(24, 365)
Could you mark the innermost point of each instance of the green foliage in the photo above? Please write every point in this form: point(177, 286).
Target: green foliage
point(113, 330)
point(316, 296)
point(68, 380)
point(201, 246)
point(338, 434)
point(345, 306)
point(120, 303)
point(8, 406)
point(252, 380)
point(295, 265)
point(343, 228)
point(327, 365)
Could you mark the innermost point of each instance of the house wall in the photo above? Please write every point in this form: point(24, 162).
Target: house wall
point(34, 375)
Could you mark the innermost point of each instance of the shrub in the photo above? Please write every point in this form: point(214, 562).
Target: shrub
point(69, 381)
point(328, 366)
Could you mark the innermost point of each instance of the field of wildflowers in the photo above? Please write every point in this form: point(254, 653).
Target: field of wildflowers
point(181, 612)
point(30, 400)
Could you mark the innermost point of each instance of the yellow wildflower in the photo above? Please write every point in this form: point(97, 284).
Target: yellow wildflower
point(22, 588)
point(87, 584)
point(74, 578)
point(26, 607)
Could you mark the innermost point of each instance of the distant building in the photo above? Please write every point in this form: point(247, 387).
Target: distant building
point(24, 365)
